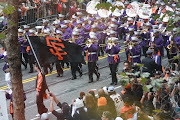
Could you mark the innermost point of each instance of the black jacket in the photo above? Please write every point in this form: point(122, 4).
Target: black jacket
point(149, 65)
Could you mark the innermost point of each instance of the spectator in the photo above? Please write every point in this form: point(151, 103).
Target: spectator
point(117, 99)
point(110, 102)
point(65, 115)
point(127, 111)
point(73, 9)
point(106, 116)
point(91, 106)
point(79, 112)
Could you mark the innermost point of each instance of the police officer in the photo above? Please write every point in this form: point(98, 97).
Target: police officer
point(92, 48)
point(113, 58)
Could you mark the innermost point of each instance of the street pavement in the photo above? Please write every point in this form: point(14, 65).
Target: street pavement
point(64, 88)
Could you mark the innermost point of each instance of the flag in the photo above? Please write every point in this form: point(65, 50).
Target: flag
point(49, 50)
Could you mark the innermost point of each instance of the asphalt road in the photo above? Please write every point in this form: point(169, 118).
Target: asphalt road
point(64, 88)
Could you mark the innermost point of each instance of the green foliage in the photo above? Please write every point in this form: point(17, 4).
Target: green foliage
point(157, 111)
point(177, 19)
point(80, 1)
point(170, 27)
point(178, 5)
point(145, 74)
point(123, 83)
point(123, 74)
point(104, 6)
point(145, 88)
point(156, 17)
point(163, 17)
point(2, 36)
point(156, 84)
point(9, 9)
point(139, 65)
point(176, 57)
point(143, 80)
point(11, 23)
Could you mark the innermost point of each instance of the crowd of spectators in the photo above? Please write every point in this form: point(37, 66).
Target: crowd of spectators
point(132, 103)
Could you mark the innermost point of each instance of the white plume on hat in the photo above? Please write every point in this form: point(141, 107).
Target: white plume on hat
point(20, 30)
point(61, 15)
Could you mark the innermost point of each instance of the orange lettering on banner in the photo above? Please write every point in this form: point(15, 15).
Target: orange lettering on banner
point(56, 47)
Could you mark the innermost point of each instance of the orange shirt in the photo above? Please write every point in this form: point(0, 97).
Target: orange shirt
point(39, 81)
point(127, 110)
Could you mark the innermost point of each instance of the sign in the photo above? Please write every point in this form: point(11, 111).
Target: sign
point(3, 106)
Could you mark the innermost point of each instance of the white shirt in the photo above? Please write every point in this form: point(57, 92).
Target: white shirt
point(118, 102)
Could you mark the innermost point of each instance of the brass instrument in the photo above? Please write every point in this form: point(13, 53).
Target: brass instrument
point(130, 45)
point(169, 46)
point(144, 29)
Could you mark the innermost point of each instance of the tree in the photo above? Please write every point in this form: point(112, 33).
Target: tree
point(13, 50)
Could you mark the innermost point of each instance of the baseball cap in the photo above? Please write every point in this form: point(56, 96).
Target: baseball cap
point(111, 89)
point(44, 116)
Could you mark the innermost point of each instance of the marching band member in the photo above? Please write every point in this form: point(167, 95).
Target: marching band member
point(79, 26)
point(26, 29)
point(61, 19)
point(29, 52)
point(158, 42)
point(45, 67)
point(59, 67)
point(6, 69)
point(65, 35)
point(87, 28)
point(45, 24)
point(146, 38)
point(39, 31)
point(134, 51)
point(79, 15)
point(113, 58)
point(128, 37)
point(75, 65)
point(26, 32)
point(22, 41)
point(68, 29)
point(171, 46)
point(74, 23)
point(92, 58)
point(57, 27)
point(126, 3)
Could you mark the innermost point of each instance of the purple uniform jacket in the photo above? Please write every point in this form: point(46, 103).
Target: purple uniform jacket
point(87, 29)
point(112, 53)
point(65, 36)
point(92, 52)
point(69, 30)
point(81, 19)
point(4, 55)
point(73, 25)
point(159, 44)
point(22, 41)
point(146, 38)
point(62, 23)
point(135, 54)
